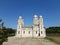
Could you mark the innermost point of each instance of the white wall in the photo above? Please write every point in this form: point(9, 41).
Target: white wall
point(27, 34)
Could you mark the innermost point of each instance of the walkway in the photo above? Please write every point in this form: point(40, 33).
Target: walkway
point(28, 41)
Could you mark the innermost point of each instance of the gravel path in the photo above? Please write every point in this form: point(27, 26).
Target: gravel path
point(28, 41)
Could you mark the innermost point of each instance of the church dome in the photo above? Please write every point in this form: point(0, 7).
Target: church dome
point(40, 15)
point(20, 17)
point(35, 16)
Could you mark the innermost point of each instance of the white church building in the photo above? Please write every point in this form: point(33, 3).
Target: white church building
point(37, 30)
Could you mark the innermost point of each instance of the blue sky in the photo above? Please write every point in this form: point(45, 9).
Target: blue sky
point(10, 10)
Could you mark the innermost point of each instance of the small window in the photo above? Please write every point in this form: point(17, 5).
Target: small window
point(18, 32)
point(19, 27)
point(29, 32)
point(41, 32)
point(24, 32)
point(36, 32)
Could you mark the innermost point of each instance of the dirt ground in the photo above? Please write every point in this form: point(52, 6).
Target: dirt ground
point(28, 41)
point(54, 38)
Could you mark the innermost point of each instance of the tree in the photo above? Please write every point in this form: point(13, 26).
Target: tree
point(53, 31)
point(1, 23)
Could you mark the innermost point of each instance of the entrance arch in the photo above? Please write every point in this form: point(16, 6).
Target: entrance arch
point(39, 34)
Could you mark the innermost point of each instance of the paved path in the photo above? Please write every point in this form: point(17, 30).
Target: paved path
point(28, 41)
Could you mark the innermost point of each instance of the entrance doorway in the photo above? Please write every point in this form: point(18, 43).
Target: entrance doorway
point(39, 34)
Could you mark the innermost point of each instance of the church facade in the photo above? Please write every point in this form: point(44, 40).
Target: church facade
point(37, 30)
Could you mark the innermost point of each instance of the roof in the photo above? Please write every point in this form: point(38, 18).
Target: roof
point(27, 27)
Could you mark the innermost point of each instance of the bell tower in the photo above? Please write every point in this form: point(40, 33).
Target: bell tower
point(35, 26)
point(19, 27)
point(41, 27)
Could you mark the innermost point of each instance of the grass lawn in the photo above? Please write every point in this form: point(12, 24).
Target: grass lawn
point(54, 38)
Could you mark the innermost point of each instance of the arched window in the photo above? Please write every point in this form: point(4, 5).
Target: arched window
point(24, 32)
point(29, 32)
point(41, 32)
point(36, 32)
point(19, 27)
point(18, 32)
